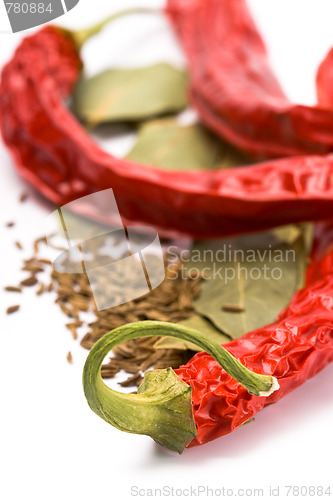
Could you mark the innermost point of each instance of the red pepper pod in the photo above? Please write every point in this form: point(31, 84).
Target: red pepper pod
point(234, 89)
point(34, 83)
point(56, 155)
point(293, 349)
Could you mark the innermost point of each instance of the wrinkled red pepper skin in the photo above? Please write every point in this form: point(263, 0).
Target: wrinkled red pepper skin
point(234, 89)
point(293, 349)
point(55, 154)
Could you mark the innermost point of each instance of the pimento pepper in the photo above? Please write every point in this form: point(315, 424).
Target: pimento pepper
point(54, 153)
point(236, 92)
point(293, 349)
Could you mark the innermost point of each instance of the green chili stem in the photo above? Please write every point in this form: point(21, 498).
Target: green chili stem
point(162, 408)
point(81, 36)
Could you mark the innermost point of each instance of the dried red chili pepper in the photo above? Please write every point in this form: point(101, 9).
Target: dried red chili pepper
point(293, 349)
point(321, 262)
point(55, 154)
point(234, 89)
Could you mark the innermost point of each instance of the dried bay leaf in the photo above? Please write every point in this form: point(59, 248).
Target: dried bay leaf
point(291, 235)
point(169, 145)
point(235, 275)
point(130, 94)
point(198, 323)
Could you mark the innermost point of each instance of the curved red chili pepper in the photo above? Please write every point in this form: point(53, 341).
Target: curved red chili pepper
point(293, 349)
point(234, 89)
point(55, 154)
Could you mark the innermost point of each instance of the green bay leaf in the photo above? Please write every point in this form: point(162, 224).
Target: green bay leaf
point(198, 323)
point(130, 94)
point(169, 145)
point(236, 277)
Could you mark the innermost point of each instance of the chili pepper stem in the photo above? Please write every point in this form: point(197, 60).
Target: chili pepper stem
point(162, 408)
point(81, 36)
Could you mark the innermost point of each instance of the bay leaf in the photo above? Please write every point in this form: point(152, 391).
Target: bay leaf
point(291, 234)
point(169, 145)
point(198, 323)
point(130, 94)
point(249, 279)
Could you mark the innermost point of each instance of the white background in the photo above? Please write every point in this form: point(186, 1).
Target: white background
point(51, 445)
